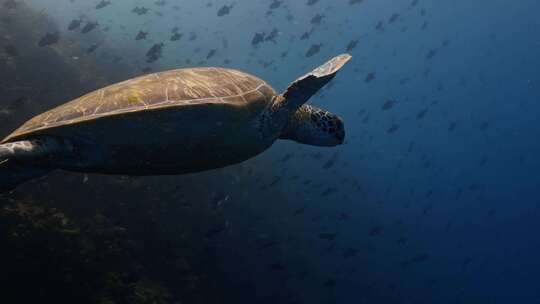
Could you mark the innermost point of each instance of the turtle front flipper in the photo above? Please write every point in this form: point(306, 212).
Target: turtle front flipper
point(306, 86)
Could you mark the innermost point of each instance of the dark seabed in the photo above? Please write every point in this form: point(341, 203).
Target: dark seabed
point(433, 198)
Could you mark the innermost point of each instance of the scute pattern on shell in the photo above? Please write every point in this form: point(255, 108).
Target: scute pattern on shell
point(153, 91)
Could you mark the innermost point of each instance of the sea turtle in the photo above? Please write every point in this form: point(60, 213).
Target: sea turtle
point(172, 122)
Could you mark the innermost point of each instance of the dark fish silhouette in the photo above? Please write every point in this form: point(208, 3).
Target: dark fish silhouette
point(11, 50)
point(176, 37)
point(74, 24)
point(140, 10)
point(275, 4)
point(393, 18)
point(49, 39)
point(431, 53)
point(421, 114)
point(272, 36)
point(306, 35)
point(327, 236)
point(103, 4)
point(311, 2)
point(387, 105)
point(316, 20)
point(379, 26)
point(258, 38)
point(141, 35)
point(369, 77)
point(11, 4)
point(375, 230)
point(211, 54)
point(349, 253)
point(299, 211)
point(89, 27)
point(154, 53)
point(313, 50)
point(224, 10)
point(92, 48)
point(352, 44)
point(392, 128)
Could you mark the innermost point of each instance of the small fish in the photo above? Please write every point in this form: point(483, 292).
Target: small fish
point(314, 49)
point(141, 35)
point(258, 38)
point(140, 10)
point(176, 37)
point(49, 39)
point(388, 105)
point(272, 36)
point(327, 236)
point(11, 50)
point(275, 4)
point(89, 27)
point(352, 44)
point(392, 128)
point(154, 53)
point(349, 253)
point(224, 10)
point(431, 53)
point(370, 77)
point(317, 19)
point(393, 18)
point(74, 24)
point(92, 48)
point(11, 4)
point(211, 54)
point(103, 4)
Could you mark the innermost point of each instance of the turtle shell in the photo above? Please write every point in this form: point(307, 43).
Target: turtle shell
point(154, 92)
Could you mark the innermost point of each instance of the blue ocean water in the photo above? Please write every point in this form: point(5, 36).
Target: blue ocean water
point(433, 198)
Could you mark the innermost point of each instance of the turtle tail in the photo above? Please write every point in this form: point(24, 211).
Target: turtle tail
point(14, 173)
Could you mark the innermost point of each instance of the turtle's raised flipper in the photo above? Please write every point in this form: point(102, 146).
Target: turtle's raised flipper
point(14, 173)
point(306, 86)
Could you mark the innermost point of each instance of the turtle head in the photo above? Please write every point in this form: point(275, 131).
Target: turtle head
point(314, 126)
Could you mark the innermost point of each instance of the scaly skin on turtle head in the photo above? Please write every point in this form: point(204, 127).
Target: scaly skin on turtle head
point(314, 126)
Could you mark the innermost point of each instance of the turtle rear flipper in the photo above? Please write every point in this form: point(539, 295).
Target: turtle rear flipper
point(14, 173)
point(19, 159)
point(306, 86)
